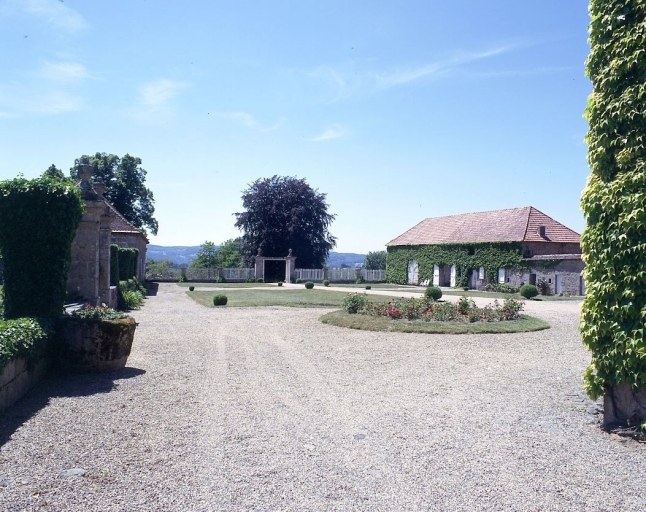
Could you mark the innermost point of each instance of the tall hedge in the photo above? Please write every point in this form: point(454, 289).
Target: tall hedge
point(114, 265)
point(127, 263)
point(38, 221)
point(614, 200)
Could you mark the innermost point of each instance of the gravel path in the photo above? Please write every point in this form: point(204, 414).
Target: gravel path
point(238, 409)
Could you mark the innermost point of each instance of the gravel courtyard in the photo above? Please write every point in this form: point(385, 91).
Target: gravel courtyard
point(236, 409)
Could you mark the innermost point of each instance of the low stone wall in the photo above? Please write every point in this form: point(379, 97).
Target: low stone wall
point(16, 379)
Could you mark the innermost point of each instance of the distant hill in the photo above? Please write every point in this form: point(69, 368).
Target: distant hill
point(183, 255)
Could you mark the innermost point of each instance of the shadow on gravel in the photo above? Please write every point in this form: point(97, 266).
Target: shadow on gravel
point(60, 386)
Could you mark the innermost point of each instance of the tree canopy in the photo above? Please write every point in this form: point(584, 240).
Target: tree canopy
point(613, 315)
point(375, 260)
point(284, 213)
point(124, 179)
point(206, 256)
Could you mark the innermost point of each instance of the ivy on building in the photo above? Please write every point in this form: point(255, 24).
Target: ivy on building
point(466, 258)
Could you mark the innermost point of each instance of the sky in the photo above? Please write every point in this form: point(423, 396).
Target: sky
point(397, 111)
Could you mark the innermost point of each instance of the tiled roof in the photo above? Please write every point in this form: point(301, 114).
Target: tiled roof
point(510, 225)
point(118, 223)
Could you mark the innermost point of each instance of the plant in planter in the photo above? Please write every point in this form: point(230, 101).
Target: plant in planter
point(94, 339)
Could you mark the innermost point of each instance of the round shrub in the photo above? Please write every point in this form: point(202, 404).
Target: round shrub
point(368, 287)
point(433, 292)
point(280, 283)
point(220, 300)
point(191, 288)
point(326, 282)
point(260, 280)
point(299, 280)
point(354, 302)
point(529, 291)
point(309, 285)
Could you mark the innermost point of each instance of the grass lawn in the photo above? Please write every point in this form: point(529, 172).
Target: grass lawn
point(372, 323)
point(226, 285)
point(299, 298)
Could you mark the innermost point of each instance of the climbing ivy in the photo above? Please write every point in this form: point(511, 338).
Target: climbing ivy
point(466, 257)
point(38, 221)
point(614, 200)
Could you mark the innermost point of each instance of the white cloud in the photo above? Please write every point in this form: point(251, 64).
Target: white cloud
point(247, 120)
point(332, 132)
point(458, 60)
point(64, 71)
point(159, 93)
point(55, 13)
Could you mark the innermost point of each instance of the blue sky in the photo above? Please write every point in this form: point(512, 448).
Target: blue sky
point(398, 111)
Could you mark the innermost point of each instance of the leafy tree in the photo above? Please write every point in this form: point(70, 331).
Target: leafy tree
point(375, 260)
point(614, 310)
point(228, 255)
point(54, 172)
point(206, 256)
point(284, 213)
point(124, 179)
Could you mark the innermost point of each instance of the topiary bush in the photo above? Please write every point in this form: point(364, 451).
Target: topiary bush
point(191, 288)
point(309, 285)
point(114, 265)
point(280, 283)
point(127, 263)
point(220, 300)
point(433, 292)
point(299, 280)
point(326, 282)
point(38, 221)
point(368, 287)
point(529, 291)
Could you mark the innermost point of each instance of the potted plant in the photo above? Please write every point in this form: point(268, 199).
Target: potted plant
point(94, 339)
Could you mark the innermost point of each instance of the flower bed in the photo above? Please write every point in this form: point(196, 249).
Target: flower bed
point(428, 310)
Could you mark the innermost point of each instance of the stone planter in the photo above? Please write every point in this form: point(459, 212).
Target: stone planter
point(91, 345)
point(624, 405)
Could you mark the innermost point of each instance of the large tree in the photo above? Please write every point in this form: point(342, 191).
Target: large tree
point(375, 260)
point(283, 213)
point(125, 180)
point(613, 320)
point(206, 257)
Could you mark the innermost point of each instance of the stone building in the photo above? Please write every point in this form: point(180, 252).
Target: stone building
point(101, 225)
point(550, 251)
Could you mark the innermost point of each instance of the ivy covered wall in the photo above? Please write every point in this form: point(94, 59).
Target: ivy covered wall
point(465, 257)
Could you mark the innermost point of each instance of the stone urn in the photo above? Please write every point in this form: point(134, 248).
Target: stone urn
point(88, 345)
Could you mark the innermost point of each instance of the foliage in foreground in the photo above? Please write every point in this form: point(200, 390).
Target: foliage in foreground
point(101, 312)
point(131, 294)
point(613, 314)
point(23, 337)
point(429, 310)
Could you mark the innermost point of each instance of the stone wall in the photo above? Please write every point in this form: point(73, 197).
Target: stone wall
point(16, 379)
point(566, 275)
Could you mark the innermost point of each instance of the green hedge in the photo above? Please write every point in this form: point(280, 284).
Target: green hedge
point(114, 265)
point(127, 263)
point(465, 257)
point(38, 221)
point(23, 337)
point(613, 315)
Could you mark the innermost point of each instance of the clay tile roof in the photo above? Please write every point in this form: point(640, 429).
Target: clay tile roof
point(510, 225)
point(118, 223)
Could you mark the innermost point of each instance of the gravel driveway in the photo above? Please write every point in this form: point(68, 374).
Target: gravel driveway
point(268, 409)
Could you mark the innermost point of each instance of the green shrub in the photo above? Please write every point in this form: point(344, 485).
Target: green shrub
point(102, 312)
point(368, 287)
point(433, 292)
point(220, 300)
point(355, 302)
point(191, 288)
point(23, 337)
point(260, 280)
point(131, 295)
point(309, 285)
point(280, 283)
point(299, 280)
point(127, 263)
point(38, 221)
point(359, 280)
point(543, 287)
point(529, 291)
point(326, 282)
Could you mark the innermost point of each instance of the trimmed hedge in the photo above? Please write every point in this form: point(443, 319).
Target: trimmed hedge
point(114, 265)
point(220, 300)
point(127, 263)
point(38, 221)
